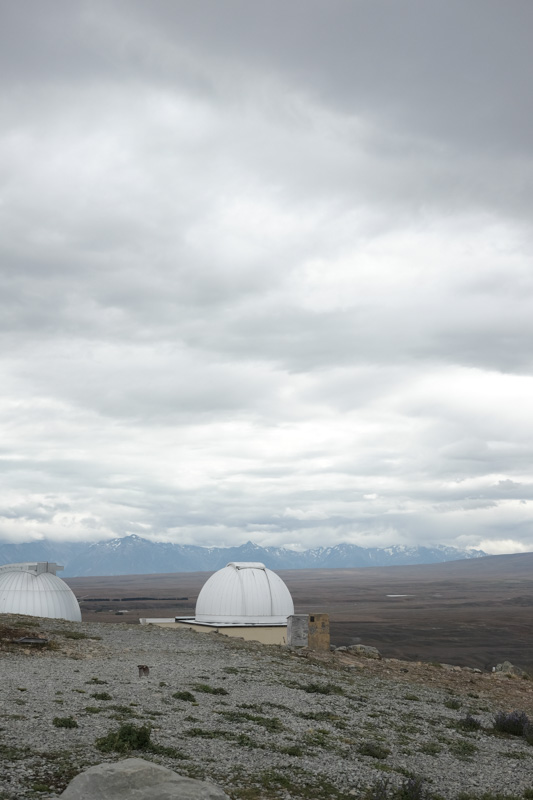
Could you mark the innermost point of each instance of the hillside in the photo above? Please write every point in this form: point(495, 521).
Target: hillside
point(263, 722)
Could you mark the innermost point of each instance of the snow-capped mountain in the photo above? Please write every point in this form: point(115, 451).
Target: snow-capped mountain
point(133, 555)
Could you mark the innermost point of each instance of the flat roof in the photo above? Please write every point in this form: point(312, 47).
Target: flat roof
point(194, 621)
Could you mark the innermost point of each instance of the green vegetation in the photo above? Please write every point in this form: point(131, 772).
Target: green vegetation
point(490, 796)
point(319, 716)
point(463, 749)
point(318, 738)
point(271, 724)
point(295, 783)
point(205, 734)
point(11, 753)
point(322, 688)
point(290, 750)
point(122, 712)
point(187, 696)
point(128, 737)
point(430, 749)
point(374, 750)
point(65, 722)
point(207, 689)
point(453, 703)
point(101, 696)
point(469, 723)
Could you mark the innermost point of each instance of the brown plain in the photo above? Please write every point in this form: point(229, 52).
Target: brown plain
point(473, 613)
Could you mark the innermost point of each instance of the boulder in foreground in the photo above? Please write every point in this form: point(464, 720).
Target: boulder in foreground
point(136, 779)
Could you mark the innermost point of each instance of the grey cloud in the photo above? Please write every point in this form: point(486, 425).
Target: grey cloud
point(455, 71)
point(267, 257)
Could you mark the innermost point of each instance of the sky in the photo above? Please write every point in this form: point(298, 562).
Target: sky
point(266, 272)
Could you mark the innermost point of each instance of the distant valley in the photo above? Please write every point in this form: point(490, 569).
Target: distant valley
point(133, 555)
point(474, 612)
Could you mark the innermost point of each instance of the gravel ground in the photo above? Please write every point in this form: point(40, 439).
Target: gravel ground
point(282, 725)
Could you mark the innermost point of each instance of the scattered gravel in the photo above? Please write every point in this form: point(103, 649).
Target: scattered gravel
point(267, 731)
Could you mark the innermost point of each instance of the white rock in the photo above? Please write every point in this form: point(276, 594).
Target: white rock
point(136, 779)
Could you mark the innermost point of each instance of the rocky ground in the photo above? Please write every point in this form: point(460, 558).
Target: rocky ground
point(260, 721)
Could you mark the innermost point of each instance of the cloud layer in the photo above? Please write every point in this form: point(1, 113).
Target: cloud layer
point(266, 272)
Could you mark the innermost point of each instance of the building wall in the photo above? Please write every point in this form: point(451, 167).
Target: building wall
point(298, 630)
point(318, 632)
point(275, 634)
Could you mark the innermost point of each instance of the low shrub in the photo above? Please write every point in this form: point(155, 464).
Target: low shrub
point(512, 722)
point(272, 724)
point(380, 790)
point(374, 750)
point(319, 716)
point(412, 788)
point(207, 689)
point(323, 688)
point(121, 712)
point(469, 723)
point(430, 749)
point(488, 796)
point(453, 703)
point(102, 696)
point(65, 722)
point(528, 736)
point(291, 750)
point(188, 696)
point(203, 733)
point(128, 737)
point(463, 749)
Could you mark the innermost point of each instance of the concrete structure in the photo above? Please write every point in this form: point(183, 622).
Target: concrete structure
point(319, 632)
point(244, 599)
point(33, 588)
point(298, 630)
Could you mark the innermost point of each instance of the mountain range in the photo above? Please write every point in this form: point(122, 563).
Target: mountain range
point(133, 555)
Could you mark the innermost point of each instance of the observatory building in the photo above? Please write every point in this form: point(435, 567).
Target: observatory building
point(34, 589)
point(244, 599)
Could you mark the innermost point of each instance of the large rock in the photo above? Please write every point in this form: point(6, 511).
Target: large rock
point(136, 779)
point(506, 668)
point(364, 650)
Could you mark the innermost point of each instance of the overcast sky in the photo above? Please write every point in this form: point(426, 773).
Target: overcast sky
point(266, 271)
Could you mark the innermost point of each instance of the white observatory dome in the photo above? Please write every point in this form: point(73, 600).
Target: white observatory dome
point(244, 592)
point(34, 589)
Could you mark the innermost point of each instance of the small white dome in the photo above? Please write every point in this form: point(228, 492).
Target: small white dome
point(37, 593)
point(244, 592)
